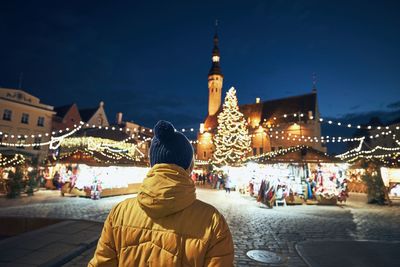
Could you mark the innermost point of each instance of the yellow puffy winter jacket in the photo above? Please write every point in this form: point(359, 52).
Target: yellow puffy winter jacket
point(165, 226)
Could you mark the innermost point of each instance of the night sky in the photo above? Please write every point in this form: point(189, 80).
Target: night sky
point(150, 59)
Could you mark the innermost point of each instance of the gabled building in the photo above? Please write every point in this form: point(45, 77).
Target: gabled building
point(94, 116)
point(66, 117)
point(273, 124)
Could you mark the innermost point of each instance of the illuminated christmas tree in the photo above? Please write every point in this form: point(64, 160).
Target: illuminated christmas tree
point(232, 141)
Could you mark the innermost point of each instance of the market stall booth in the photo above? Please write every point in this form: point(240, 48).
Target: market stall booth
point(391, 180)
point(97, 166)
point(372, 166)
point(297, 175)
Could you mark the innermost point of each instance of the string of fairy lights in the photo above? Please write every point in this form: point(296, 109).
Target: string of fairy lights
point(55, 141)
point(17, 159)
point(282, 134)
point(271, 154)
point(358, 152)
point(54, 135)
point(109, 156)
point(270, 128)
point(298, 115)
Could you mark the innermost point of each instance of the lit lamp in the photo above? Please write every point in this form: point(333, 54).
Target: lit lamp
point(201, 127)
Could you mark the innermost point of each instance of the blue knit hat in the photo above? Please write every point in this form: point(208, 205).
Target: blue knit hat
point(170, 146)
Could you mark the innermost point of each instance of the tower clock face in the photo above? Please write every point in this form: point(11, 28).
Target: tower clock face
point(215, 58)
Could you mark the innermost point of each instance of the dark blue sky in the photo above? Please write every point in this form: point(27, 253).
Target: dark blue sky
point(150, 59)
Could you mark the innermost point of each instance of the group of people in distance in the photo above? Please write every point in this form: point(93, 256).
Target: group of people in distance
point(217, 180)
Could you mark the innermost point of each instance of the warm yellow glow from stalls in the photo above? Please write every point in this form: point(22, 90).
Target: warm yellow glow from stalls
point(390, 175)
point(110, 177)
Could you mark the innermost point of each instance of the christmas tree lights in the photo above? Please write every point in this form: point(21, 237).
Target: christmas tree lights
point(232, 141)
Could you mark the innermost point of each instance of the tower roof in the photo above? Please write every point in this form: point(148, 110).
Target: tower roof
point(215, 66)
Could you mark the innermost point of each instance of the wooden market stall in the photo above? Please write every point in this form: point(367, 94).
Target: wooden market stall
point(81, 171)
point(98, 163)
point(305, 175)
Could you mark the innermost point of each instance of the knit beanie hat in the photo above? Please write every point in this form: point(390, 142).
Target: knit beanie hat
point(170, 146)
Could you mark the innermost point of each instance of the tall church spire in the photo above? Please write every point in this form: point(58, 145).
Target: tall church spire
point(215, 66)
point(215, 78)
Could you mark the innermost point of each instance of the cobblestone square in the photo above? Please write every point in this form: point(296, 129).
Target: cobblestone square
point(253, 226)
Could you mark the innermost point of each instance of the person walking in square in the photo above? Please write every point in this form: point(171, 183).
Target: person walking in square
point(227, 185)
point(165, 225)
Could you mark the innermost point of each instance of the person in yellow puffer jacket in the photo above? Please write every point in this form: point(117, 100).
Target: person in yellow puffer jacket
point(165, 225)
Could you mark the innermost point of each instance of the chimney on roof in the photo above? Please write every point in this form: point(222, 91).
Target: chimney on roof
point(258, 100)
point(119, 117)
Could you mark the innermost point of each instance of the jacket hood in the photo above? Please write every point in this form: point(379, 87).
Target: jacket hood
point(167, 189)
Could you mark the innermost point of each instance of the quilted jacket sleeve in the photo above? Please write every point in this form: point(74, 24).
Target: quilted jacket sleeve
point(220, 251)
point(105, 254)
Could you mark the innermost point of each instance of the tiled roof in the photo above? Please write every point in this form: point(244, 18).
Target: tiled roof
point(273, 108)
point(279, 107)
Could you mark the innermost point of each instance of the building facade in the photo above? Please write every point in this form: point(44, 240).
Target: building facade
point(24, 120)
point(94, 116)
point(273, 124)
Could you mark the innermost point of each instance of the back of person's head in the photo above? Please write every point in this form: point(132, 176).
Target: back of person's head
point(170, 146)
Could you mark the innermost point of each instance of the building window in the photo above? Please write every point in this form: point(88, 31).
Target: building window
point(261, 150)
point(7, 115)
point(40, 121)
point(25, 118)
point(36, 142)
point(205, 154)
point(254, 151)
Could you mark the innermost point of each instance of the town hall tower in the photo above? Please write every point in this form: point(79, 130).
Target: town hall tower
point(215, 80)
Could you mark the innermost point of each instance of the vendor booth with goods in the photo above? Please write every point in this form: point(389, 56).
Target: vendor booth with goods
point(391, 180)
point(296, 175)
point(96, 166)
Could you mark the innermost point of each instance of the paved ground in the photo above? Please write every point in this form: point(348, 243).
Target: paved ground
point(49, 246)
point(253, 226)
point(350, 253)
